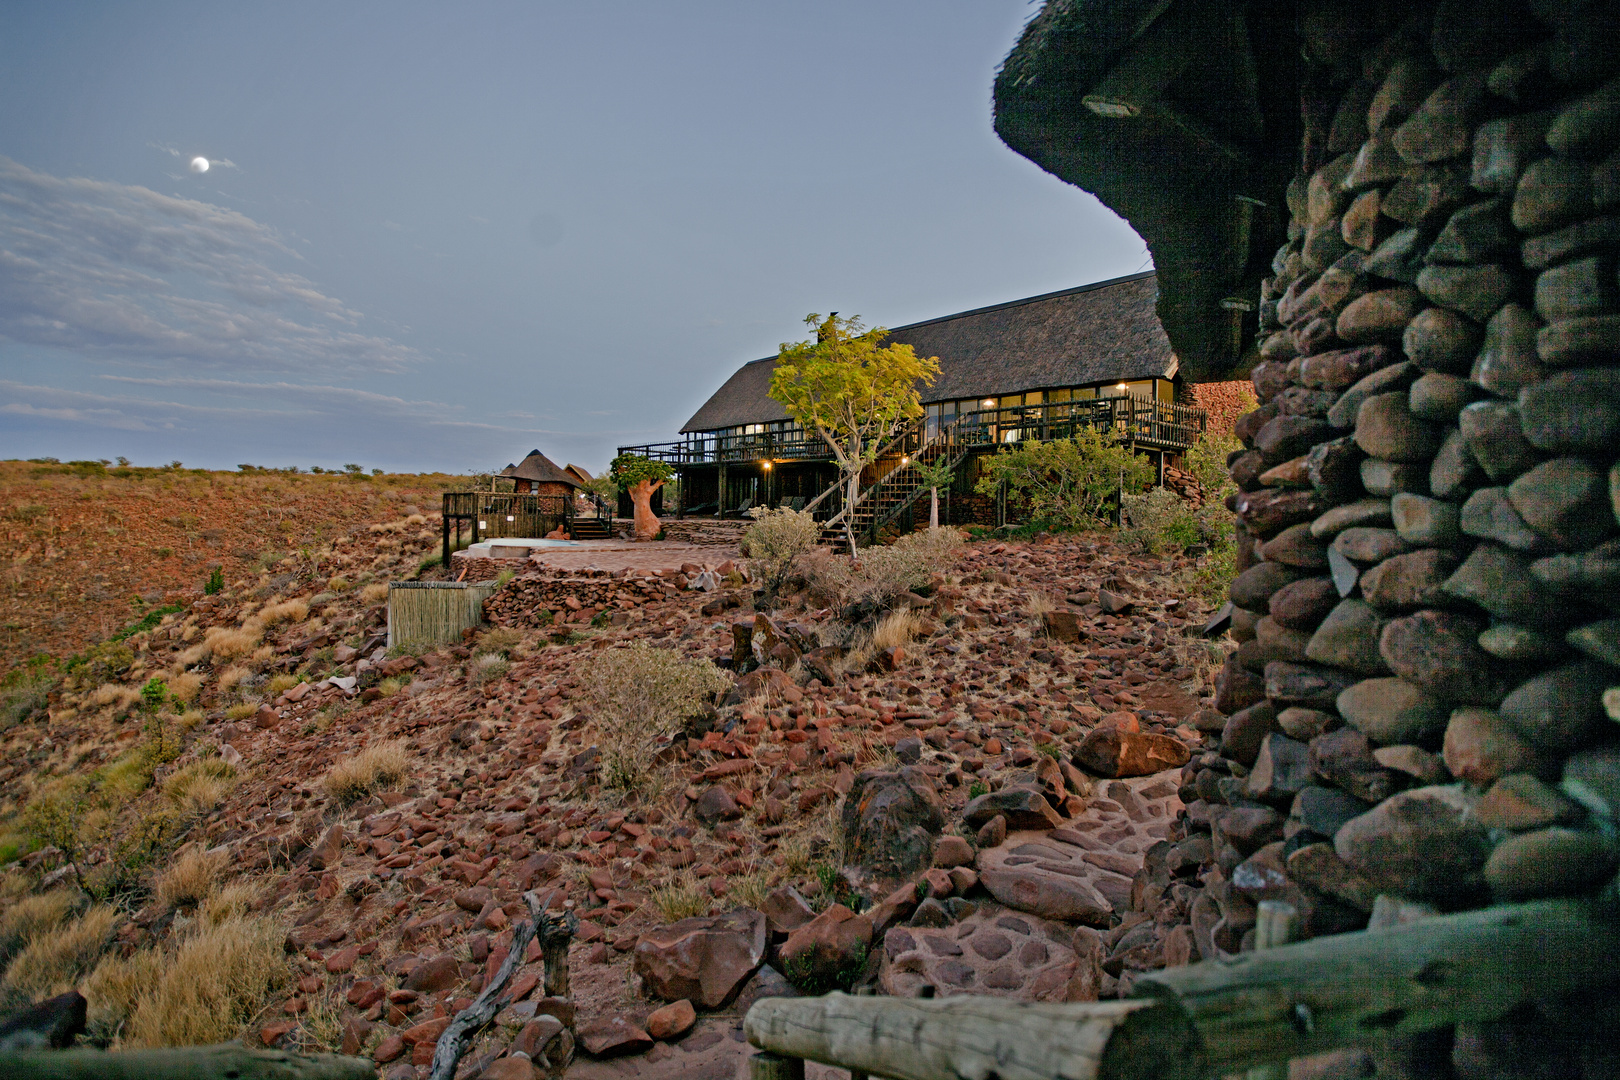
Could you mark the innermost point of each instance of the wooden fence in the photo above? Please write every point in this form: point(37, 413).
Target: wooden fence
point(1215, 1018)
point(434, 612)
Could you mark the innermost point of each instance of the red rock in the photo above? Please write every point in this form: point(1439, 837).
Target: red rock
point(342, 960)
point(1121, 753)
point(825, 948)
point(431, 976)
point(272, 1033)
point(390, 1048)
point(612, 1036)
point(364, 994)
point(355, 1032)
point(426, 1032)
point(785, 910)
point(672, 1021)
point(939, 883)
point(952, 851)
point(510, 1068)
point(703, 959)
point(892, 908)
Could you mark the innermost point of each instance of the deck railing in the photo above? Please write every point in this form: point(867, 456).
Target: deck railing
point(1152, 424)
point(504, 513)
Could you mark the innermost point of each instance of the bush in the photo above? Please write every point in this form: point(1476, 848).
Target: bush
point(499, 641)
point(113, 990)
point(775, 542)
point(201, 786)
point(883, 574)
point(216, 581)
point(22, 698)
point(374, 594)
point(639, 696)
point(185, 687)
point(377, 766)
point(488, 668)
point(1069, 484)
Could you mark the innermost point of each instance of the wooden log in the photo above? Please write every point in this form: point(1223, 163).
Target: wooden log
point(765, 1065)
point(1220, 1017)
point(971, 1038)
point(454, 1039)
point(556, 933)
point(227, 1061)
point(1362, 988)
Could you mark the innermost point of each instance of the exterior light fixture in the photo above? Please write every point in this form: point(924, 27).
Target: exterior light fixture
point(509, 517)
point(766, 466)
point(905, 459)
point(483, 524)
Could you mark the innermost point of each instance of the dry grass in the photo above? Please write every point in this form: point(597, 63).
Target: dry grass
point(190, 879)
point(896, 628)
point(115, 987)
point(32, 916)
point(55, 960)
point(374, 594)
point(241, 711)
point(185, 687)
point(279, 683)
point(231, 677)
point(749, 890)
point(288, 611)
point(682, 898)
point(338, 585)
point(120, 697)
point(225, 643)
point(213, 985)
point(1038, 604)
point(231, 901)
point(378, 765)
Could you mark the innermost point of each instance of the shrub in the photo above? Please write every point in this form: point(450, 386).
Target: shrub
point(883, 574)
point(228, 902)
point(374, 594)
point(338, 584)
point(775, 542)
point(241, 711)
point(639, 696)
point(154, 694)
point(213, 985)
point(499, 640)
point(22, 698)
point(378, 765)
point(55, 960)
point(189, 879)
point(1068, 483)
point(231, 677)
point(216, 581)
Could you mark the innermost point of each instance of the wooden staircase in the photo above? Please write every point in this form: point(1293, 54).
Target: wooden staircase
point(879, 505)
point(591, 528)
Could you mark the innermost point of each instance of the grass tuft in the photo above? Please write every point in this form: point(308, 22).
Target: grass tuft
point(377, 766)
point(55, 960)
point(213, 985)
point(190, 879)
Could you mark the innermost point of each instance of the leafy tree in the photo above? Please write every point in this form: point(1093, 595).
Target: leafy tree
point(640, 476)
point(1069, 483)
point(853, 391)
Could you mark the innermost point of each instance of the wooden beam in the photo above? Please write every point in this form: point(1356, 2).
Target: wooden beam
point(227, 1061)
point(1215, 1018)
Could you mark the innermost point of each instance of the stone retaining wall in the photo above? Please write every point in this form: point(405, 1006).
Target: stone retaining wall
point(1430, 584)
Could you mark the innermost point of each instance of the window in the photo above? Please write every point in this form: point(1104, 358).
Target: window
point(1058, 396)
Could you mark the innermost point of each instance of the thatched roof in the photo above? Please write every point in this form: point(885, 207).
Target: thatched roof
point(1193, 127)
point(1100, 333)
point(579, 472)
point(541, 469)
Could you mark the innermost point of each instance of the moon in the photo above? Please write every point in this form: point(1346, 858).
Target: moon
point(199, 164)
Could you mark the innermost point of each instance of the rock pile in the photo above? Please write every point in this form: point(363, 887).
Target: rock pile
point(1430, 573)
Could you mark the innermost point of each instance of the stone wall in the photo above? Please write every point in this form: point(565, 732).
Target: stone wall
point(1427, 608)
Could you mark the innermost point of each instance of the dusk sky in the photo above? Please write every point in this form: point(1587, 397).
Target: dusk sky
point(434, 236)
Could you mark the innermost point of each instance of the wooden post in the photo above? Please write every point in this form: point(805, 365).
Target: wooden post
point(556, 933)
point(765, 1065)
point(1275, 925)
point(227, 1061)
point(454, 1039)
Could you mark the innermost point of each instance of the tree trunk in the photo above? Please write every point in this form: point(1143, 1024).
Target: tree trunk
point(849, 516)
point(641, 493)
point(933, 509)
point(226, 1061)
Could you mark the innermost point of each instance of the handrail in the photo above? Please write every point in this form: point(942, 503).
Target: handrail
point(1217, 1017)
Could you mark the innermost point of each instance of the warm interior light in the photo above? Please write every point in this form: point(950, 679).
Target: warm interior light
point(509, 517)
point(989, 402)
point(905, 460)
point(767, 466)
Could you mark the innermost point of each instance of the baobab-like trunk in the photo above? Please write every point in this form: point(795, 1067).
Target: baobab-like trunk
point(647, 524)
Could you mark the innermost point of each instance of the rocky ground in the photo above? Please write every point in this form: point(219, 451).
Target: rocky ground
point(989, 807)
point(84, 548)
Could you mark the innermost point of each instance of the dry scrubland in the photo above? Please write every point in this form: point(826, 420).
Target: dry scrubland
point(85, 550)
point(209, 840)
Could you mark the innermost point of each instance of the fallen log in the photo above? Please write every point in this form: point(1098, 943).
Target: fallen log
point(454, 1039)
point(1214, 1018)
point(226, 1061)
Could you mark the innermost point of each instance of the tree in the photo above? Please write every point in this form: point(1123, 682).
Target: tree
point(641, 476)
point(853, 391)
point(1069, 483)
point(935, 475)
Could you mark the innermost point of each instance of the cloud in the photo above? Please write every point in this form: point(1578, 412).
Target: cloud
point(114, 271)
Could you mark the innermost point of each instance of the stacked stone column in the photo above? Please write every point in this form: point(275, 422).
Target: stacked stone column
point(1421, 713)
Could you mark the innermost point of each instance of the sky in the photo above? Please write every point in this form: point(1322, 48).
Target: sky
point(435, 236)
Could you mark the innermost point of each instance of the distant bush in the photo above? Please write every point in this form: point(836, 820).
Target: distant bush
point(216, 581)
point(201, 786)
point(1068, 483)
point(377, 766)
point(488, 668)
point(883, 574)
point(775, 542)
point(32, 916)
point(639, 696)
point(23, 695)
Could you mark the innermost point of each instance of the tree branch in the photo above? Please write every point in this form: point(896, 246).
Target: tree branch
point(453, 1042)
